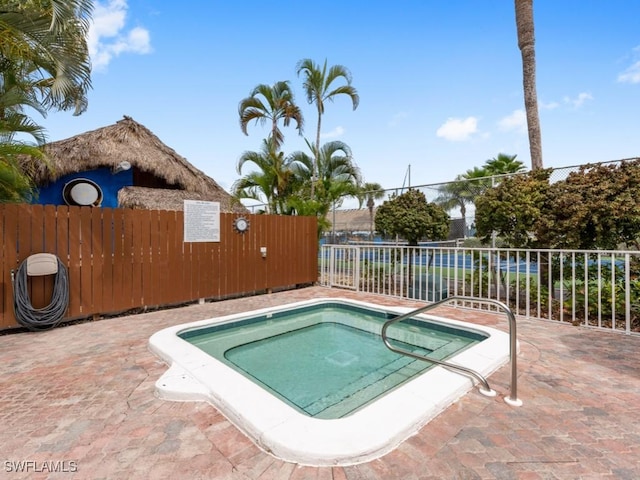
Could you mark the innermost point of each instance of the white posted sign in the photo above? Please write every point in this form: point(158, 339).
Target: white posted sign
point(201, 221)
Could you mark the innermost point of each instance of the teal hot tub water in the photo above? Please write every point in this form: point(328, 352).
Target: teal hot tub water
point(328, 361)
point(312, 383)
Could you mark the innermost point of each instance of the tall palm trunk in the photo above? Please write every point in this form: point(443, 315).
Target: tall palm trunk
point(526, 44)
point(370, 205)
point(314, 167)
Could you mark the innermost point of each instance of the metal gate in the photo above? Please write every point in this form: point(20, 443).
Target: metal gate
point(340, 266)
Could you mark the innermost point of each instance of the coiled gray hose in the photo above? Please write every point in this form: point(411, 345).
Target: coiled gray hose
point(40, 318)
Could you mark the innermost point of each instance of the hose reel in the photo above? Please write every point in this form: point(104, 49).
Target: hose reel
point(47, 317)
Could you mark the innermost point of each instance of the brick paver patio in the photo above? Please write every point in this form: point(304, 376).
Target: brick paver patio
point(81, 399)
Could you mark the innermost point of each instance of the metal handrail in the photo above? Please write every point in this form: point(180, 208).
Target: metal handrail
point(512, 399)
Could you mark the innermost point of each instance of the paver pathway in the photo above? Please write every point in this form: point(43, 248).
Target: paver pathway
point(81, 399)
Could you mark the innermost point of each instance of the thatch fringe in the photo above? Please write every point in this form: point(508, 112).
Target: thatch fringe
point(163, 199)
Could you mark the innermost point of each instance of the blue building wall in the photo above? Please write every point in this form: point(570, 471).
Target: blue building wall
point(109, 183)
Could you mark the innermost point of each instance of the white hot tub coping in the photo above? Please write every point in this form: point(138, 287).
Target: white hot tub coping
point(290, 435)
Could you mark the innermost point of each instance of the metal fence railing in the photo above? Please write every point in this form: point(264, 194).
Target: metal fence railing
point(599, 289)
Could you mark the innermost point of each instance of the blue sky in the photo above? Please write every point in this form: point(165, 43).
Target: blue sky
point(440, 81)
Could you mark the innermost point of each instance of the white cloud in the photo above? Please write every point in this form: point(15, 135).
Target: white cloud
point(549, 105)
point(108, 38)
point(579, 100)
point(516, 121)
point(458, 130)
point(397, 118)
point(632, 74)
point(336, 132)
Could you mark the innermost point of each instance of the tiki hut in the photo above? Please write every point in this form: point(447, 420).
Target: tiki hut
point(350, 221)
point(129, 166)
point(349, 225)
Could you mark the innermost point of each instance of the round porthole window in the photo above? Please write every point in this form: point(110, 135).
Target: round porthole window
point(82, 192)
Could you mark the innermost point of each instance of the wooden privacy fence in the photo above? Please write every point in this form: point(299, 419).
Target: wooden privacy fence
point(122, 259)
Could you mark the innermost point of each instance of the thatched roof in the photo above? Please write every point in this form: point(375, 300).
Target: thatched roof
point(163, 199)
point(127, 140)
point(351, 220)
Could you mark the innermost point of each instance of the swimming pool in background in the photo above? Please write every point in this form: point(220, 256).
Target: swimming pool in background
point(313, 383)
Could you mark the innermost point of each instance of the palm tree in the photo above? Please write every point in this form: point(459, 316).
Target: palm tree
point(45, 43)
point(478, 179)
point(464, 190)
point(318, 88)
point(271, 183)
point(456, 194)
point(271, 103)
point(44, 64)
point(15, 185)
point(338, 175)
point(371, 192)
point(526, 44)
point(504, 164)
point(15, 182)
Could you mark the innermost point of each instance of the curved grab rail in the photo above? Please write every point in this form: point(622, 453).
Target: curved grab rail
point(512, 399)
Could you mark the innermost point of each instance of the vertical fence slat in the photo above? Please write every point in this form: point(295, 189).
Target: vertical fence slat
point(6, 292)
point(146, 259)
point(310, 232)
point(97, 260)
point(258, 236)
point(62, 234)
point(627, 293)
point(106, 282)
point(274, 252)
point(586, 289)
point(47, 225)
point(152, 285)
point(86, 276)
point(198, 268)
point(233, 269)
point(176, 257)
point(40, 287)
point(257, 279)
point(75, 301)
point(118, 266)
point(613, 291)
point(204, 271)
point(47, 228)
point(216, 268)
point(127, 259)
point(207, 273)
point(188, 266)
point(137, 244)
point(9, 261)
point(226, 231)
point(184, 258)
point(163, 265)
point(24, 232)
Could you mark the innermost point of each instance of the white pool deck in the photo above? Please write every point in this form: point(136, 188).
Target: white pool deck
point(289, 435)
